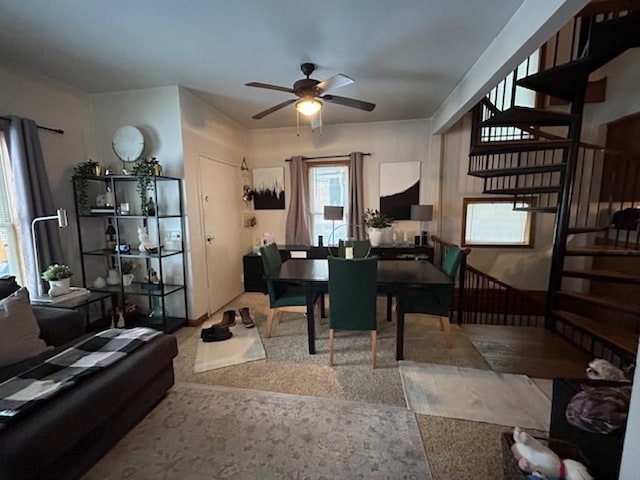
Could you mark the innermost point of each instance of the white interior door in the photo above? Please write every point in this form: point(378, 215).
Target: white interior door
point(221, 221)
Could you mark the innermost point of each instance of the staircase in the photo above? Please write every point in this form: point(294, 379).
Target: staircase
point(535, 155)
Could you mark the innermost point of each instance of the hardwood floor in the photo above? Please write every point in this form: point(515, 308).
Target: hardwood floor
point(530, 351)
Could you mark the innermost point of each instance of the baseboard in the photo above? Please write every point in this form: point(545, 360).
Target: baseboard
point(196, 322)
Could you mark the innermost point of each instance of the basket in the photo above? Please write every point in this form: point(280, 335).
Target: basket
point(510, 468)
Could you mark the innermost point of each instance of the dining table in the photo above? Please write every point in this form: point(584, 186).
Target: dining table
point(393, 277)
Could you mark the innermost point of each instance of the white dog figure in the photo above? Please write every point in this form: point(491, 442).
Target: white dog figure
point(534, 457)
point(146, 245)
point(600, 369)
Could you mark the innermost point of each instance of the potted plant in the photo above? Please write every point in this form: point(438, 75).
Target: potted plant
point(126, 268)
point(58, 275)
point(145, 169)
point(82, 172)
point(375, 223)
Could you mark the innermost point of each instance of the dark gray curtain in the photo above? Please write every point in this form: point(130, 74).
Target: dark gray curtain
point(356, 202)
point(33, 196)
point(298, 230)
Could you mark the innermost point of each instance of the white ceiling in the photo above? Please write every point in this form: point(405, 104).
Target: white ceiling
point(404, 55)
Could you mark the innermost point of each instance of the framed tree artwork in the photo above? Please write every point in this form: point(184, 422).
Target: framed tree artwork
point(399, 188)
point(268, 188)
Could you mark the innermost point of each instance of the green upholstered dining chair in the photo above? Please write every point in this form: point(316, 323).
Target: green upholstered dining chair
point(283, 297)
point(352, 294)
point(436, 300)
point(361, 248)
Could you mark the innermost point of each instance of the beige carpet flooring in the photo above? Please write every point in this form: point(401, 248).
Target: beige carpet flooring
point(457, 449)
point(211, 432)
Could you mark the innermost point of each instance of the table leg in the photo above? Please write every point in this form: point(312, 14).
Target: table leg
point(311, 325)
point(389, 304)
point(400, 336)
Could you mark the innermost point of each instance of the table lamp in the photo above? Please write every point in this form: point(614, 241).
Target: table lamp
point(61, 216)
point(422, 213)
point(333, 213)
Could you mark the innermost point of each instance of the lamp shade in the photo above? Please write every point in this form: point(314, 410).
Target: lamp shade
point(423, 213)
point(332, 212)
point(308, 106)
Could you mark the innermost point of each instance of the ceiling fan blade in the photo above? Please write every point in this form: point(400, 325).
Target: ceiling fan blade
point(269, 87)
point(337, 81)
point(258, 116)
point(350, 102)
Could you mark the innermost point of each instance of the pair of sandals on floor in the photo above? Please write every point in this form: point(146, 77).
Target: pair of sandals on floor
point(220, 331)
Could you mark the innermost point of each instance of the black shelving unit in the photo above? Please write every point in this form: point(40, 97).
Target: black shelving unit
point(168, 299)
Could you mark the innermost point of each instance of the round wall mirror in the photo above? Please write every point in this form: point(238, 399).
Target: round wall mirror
point(128, 143)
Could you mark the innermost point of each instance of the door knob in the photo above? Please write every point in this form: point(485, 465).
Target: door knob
point(210, 238)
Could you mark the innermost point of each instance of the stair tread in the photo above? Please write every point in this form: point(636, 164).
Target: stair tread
point(523, 170)
point(562, 81)
point(525, 190)
point(604, 301)
point(603, 250)
point(529, 117)
point(587, 229)
point(610, 38)
point(623, 338)
point(597, 274)
point(537, 209)
point(512, 146)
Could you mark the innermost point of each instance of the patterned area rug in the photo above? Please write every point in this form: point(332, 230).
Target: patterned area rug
point(212, 432)
point(473, 394)
point(244, 346)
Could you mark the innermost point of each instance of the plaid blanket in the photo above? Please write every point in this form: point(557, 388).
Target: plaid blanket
point(33, 387)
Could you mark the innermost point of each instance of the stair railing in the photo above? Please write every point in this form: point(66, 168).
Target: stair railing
point(489, 301)
point(483, 299)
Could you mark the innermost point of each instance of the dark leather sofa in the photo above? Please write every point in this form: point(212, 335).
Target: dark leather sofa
point(63, 438)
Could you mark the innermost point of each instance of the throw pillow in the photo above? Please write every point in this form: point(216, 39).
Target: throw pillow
point(19, 330)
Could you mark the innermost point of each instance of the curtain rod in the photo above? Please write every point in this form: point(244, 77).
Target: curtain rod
point(54, 130)
point(325, 156)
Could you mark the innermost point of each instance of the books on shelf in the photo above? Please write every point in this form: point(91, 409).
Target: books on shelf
point(75, 293)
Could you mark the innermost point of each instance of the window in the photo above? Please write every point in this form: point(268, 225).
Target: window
point(9, 252)
point(493, 222)
point(328, 185)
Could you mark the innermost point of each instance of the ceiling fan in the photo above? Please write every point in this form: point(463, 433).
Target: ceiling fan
point(310, 91)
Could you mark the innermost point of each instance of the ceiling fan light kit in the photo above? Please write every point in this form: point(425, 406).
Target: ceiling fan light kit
point(308, 106)
point(310, 92)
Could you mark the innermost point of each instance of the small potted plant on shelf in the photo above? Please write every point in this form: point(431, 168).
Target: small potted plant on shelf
point(375, 223)
point(58, 275)
point(145, 169)
point(126, 268)
point(82, 172)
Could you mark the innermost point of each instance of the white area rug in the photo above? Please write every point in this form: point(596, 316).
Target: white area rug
point(244, 346)
point(209, 432)
point(472, 394)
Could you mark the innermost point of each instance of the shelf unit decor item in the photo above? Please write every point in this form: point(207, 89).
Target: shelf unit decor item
point(164, 306)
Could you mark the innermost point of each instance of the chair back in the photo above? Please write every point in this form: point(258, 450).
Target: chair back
point(451, 261)
point(352, 293)
point(361, 248)
point(271, 261)
point(270, 258)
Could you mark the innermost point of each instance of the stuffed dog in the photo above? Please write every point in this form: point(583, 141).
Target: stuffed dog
point(535, 458)
point(600, 369)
